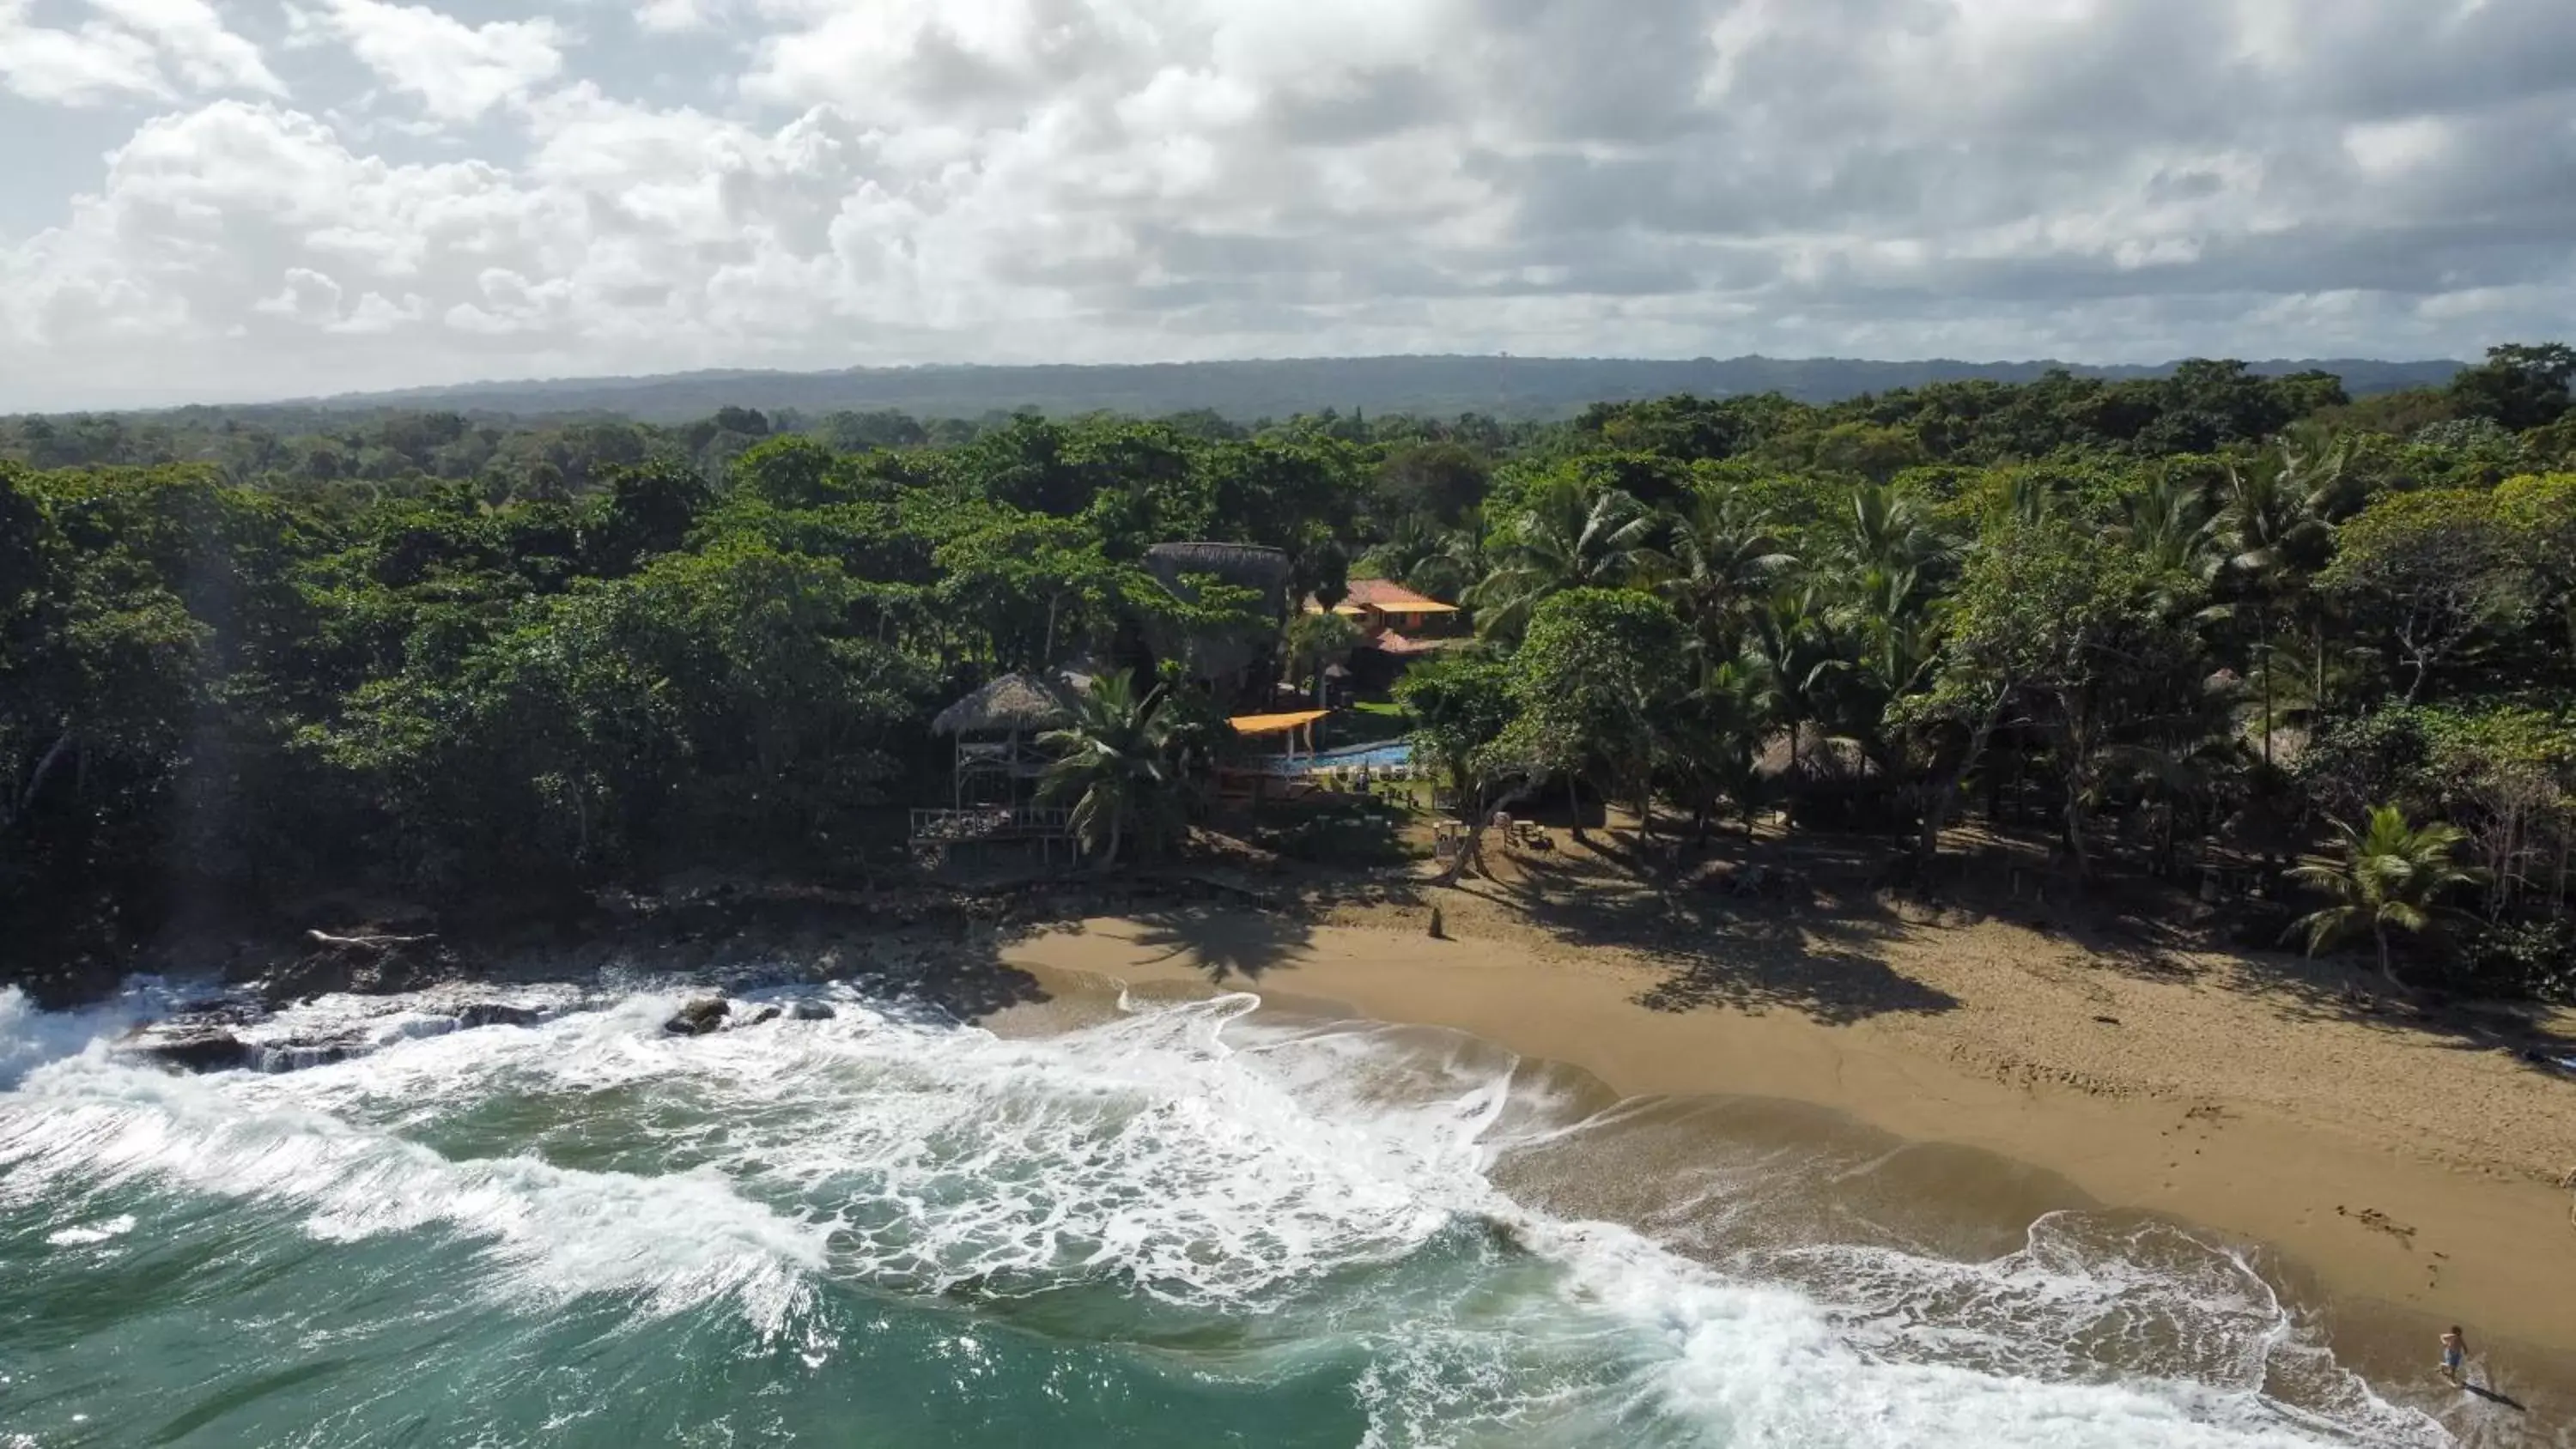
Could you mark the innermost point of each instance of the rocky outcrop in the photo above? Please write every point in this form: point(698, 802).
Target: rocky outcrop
point(191, 1046)
point(765, 1015)
point(810, 1011)
point(295, 1056)
point(699, 1017)
point(496, 1013)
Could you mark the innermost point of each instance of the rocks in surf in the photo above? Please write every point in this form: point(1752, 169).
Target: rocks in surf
point(206, 1037)
point(699, 1017)
point(191, 1046)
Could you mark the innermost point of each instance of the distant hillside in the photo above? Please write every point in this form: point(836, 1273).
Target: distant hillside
point(1541, 387)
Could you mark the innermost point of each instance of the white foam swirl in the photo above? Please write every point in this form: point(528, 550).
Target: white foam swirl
point(1177, 1152)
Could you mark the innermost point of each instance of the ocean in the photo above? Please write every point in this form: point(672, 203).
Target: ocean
point(1145, 1222)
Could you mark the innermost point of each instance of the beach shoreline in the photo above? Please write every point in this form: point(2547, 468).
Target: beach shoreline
point(2398, 1169)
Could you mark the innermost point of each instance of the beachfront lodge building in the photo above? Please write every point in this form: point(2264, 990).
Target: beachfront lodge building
point(1397, 626)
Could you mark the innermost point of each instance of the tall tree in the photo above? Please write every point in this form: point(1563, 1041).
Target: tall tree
point(1593, 677)
point(1723, 560)
point(1568, 538)
point(2518, 386)
point(1458, 706)
point(1315, 641)
point(2069, 635)
point(1116, 765)
point(2427, 573)
point(2272, 531)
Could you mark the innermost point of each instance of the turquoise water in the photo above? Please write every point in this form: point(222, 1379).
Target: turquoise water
point(1176, 1226)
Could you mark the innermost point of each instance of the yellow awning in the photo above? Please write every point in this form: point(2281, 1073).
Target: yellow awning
point(1275, 724)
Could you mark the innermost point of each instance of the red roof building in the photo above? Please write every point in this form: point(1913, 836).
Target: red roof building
point(1379, 606)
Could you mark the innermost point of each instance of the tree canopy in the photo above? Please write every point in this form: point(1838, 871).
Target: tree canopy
point(2207, 613)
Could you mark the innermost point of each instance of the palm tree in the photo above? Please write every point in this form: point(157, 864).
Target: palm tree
point(2392, 877)
point(1891, 532)
point(1570, 537)
point(1425, 557)
point(1316, 641)
point(2169, 524)
point(1712, 742)
point(1118, 766)
point(2274, 523)
point(1723, 560)
point(1794, 653)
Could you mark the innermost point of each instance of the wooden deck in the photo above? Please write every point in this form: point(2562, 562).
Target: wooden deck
point(937, 833)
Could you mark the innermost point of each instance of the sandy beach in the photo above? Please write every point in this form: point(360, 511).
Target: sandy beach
point(2398, 1162)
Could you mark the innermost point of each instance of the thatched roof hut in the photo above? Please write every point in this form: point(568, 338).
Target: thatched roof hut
point(1015, 702)
point(1217, 654)
point(1823, 759)
point(1244, 565)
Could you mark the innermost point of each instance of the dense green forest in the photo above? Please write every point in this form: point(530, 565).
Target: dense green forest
point(2162, 619)
point(1549, 389)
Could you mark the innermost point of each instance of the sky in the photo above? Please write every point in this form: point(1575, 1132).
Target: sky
point(216, 200)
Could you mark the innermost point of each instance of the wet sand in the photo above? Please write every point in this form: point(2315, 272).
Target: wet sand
point(2411, 1176)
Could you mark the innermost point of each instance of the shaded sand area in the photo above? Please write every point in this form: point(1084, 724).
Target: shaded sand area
point(2402, 1164)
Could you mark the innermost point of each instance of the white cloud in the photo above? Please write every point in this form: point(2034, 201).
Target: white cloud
point(455, 71)
point(1102, 179)
point(129, 49)
point(307, 296)
point(95, 63)
point(194, 43)
point(676, 17)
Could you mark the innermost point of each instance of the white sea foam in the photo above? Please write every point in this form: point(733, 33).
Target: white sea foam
point(30, 1038)
point(1192, 1157)
point(88, 1233)
point(90, 1125)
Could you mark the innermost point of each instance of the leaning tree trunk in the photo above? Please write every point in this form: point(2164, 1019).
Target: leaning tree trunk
point(2075, 817)
point(2387, 966)
point(1471, 851)
point(1794, 784)
point(1945, 794)
point(27, 797)
point(2263, 644)
point(2317, 681)
point(1574, 808)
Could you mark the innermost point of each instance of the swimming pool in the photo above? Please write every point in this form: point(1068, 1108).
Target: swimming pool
point(1382, 755)
point(1376, 756)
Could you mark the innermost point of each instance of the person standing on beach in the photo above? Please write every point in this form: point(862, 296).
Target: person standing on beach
point(2455, 1354)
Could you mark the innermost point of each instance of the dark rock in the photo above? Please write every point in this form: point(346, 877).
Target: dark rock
point(192, 1048)
point(294, 1056)
point(765, 1014)
point(494, 1013)
point(810, 1011)
point(699, 1017)
point(327, 970)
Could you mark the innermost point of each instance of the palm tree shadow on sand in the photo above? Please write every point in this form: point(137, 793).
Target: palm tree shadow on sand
point(1225, 943)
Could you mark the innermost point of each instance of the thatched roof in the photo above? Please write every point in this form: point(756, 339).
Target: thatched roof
point(1217, 653)
point(1822, 758)
point(1244, 565)
point(1012, 702)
